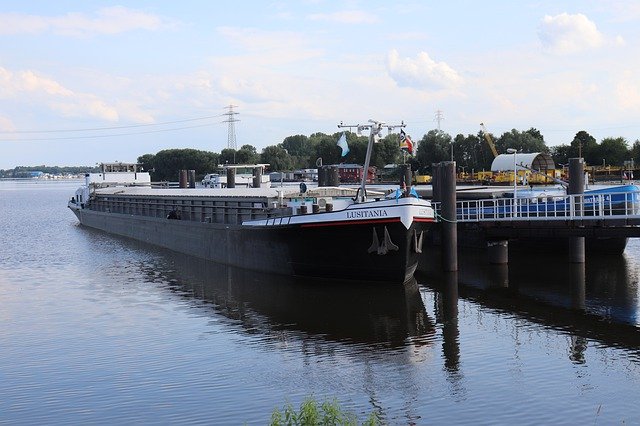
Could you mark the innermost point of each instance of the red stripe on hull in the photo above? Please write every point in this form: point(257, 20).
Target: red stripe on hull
point(349, 222)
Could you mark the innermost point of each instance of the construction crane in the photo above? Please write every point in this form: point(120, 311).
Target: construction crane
point(487, 136)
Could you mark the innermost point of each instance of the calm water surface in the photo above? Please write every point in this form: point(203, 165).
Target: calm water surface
point(99, 329)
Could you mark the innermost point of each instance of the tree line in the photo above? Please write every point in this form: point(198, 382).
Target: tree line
point(471, 152)
point(295, 152)
point(25, 171)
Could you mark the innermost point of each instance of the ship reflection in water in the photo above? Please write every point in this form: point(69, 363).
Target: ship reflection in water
point(371, 315)
point(596, 300)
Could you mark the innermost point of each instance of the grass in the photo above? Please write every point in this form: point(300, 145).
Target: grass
point(312, 413)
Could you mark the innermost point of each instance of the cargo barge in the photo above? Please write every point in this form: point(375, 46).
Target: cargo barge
point(328, 232)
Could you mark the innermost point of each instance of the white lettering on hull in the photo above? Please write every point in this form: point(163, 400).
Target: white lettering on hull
point(366, 214)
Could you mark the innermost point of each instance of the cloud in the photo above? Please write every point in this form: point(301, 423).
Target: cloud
point(346, 17)
point(29, 87)
point(566, 34)
point(109, 20)
point(422, 72)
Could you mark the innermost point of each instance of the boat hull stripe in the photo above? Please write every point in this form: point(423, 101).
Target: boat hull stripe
point(350, 222)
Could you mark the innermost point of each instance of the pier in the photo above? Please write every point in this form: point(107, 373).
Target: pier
point(606, 217)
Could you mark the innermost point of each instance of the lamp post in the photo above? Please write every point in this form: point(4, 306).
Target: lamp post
point(515, 179)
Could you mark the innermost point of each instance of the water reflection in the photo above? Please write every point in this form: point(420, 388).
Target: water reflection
point(375, 315)
point(596, 300)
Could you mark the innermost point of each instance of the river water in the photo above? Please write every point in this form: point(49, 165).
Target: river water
point(99, 329)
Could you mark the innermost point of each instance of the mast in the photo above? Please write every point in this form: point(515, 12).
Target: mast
point(375, 131)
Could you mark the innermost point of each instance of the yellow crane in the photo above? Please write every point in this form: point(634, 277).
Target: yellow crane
point(487, 136)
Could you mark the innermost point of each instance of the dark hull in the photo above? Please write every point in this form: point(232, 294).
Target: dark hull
point(339, 251)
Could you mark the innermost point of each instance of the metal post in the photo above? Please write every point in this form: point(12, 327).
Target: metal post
point(375, 130)
point(576, 186)
point(365, 172)
point(515, 181)
point(449, 223)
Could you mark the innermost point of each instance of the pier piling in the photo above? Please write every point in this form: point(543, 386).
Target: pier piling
point(498, 252)
point(182, 178)
point(257, 177)
point(447, 185)
point(576, 186)
point(231, 177)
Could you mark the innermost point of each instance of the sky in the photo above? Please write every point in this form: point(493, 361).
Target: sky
point(84, 82)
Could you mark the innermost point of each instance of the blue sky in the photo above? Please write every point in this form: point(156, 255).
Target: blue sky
point(157, 68)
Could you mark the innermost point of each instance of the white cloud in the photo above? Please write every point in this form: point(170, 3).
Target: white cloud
point(565, 34)
point(346, 17)
point(31, 88)
point(421, 72)
point(109, 20)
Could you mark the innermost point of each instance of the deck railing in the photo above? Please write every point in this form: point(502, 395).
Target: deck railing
point(611, 205)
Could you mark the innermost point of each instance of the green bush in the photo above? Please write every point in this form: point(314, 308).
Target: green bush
point(310, 413)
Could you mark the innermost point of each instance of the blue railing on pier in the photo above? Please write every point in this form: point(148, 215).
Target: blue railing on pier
point(595, 205)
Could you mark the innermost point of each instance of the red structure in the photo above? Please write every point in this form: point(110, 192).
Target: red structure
point(352, 173)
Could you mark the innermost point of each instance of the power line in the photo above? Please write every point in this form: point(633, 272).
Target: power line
point(104, 136)
point(106, 128)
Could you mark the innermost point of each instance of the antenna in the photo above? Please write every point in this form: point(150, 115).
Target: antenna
point(439, 118)
point(231, 133)
point(375, 133)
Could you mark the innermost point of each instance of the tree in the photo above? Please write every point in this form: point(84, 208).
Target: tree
point(635, 152)
point(529, 141)
point(584, 145)
point(297, 145)
point(472, 152)
point(277, 158)
point(228, 156)
point(357, 148)
point(169, 162)
point(613, 150)
point(434, 147)
point(560, 155)
point(147, 161)
point(247, 154)
point(387, 151)
point(325, 147)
